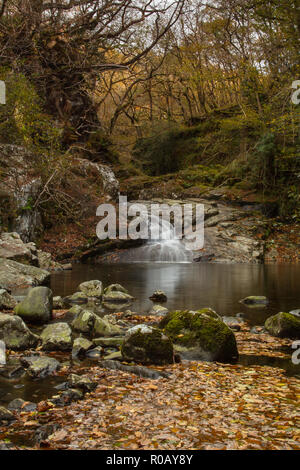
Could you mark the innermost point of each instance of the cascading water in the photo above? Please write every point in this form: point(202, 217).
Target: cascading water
point(165, 248)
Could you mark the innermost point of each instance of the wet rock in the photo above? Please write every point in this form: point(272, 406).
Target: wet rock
point(75, 310)
point(158, 296)
point(113, 356)
point(95, 353)
point(115, 288)
point(233, 323)
point(255, 301)
point(15, 333)
point(37, 305)
point(40, 367)
point(81, 346)
point(6, 416)
point(200, 335)
point(57, 337)
point(79, 298)
point(158, 310)
point(115, 341)
point(117, 297)
point(140, 371)
point(14, 275)
point(7, 302)
point(21, 405)
point(147, 345)
point(12, 369)
point(82, 383)
point(283, 325)
point(92, 288)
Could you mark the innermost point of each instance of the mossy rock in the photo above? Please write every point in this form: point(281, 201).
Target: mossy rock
point(200, 335)
point(92, 288)
point(15, 333)
point(147, 345)
point(117, 297)
point(37, 305)
point(93, 326)
point(115, 288)
point(283, 325)
point(57, 337)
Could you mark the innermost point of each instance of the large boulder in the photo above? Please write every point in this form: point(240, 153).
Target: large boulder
point(7, 301)
point(200, 335)
point(14, 275)
point(57, 337)
point(284, 325)
point(37, 305)
point(147, 345)
point(15, 333)
point(92, 288)
point(91, 325)
point(40, 366)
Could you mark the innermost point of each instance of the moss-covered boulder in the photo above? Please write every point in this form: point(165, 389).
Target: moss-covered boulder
point(200, 335)
point(40, 366)
point(91, 325)
point(283, 325)
point(37, 305)
point(15, 333)
point(57, 337)
point(92, 288)
point(147, 345)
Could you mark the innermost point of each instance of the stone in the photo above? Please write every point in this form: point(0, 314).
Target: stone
point(7, 301)
point(81, 346)
point(93, 326)
point(113, 356)
point(147, 345)
point(82, 383)
point(66, 397)
point(200, 335)
point(79, 298)
point(14, 275)
point(13, 248)
point(58, 303)
point(255, 301)
point(283, 325)
point(117, 297)
point(295, 312)
point(158, 310)
point(21, 405)
point(37, 305)
point(95, 353)
point(6, 416)
point(115, 342)
point(158, 296)
point(57, 337)
point(15, 333)
point(40, 367)
point(92, 288)
point(115, 288)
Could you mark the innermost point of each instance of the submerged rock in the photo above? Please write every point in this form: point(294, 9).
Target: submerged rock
point(14, 275)
point(7, 302)
point(40, 366)
point(255, 301)
point(283, 325)
point(147, 345)
point(158, 296)
point(37, 305)
point(15, 333)
point(92, 288)
point(57, 337)
point(200, 335)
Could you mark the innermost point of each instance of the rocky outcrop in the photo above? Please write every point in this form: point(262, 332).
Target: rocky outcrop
point(106, 176)
point(57, 337)
point(200, 335)
point(284, 325)
point(37, 305)
point(147, 345)
point(14, 275)
point(15, 333)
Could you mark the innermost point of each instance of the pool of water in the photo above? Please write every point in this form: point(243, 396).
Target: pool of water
point(195, 285)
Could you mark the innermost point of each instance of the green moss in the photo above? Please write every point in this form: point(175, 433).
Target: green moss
point(148, 348)
point(284, 325)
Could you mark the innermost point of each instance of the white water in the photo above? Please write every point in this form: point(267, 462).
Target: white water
point(166, 248)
